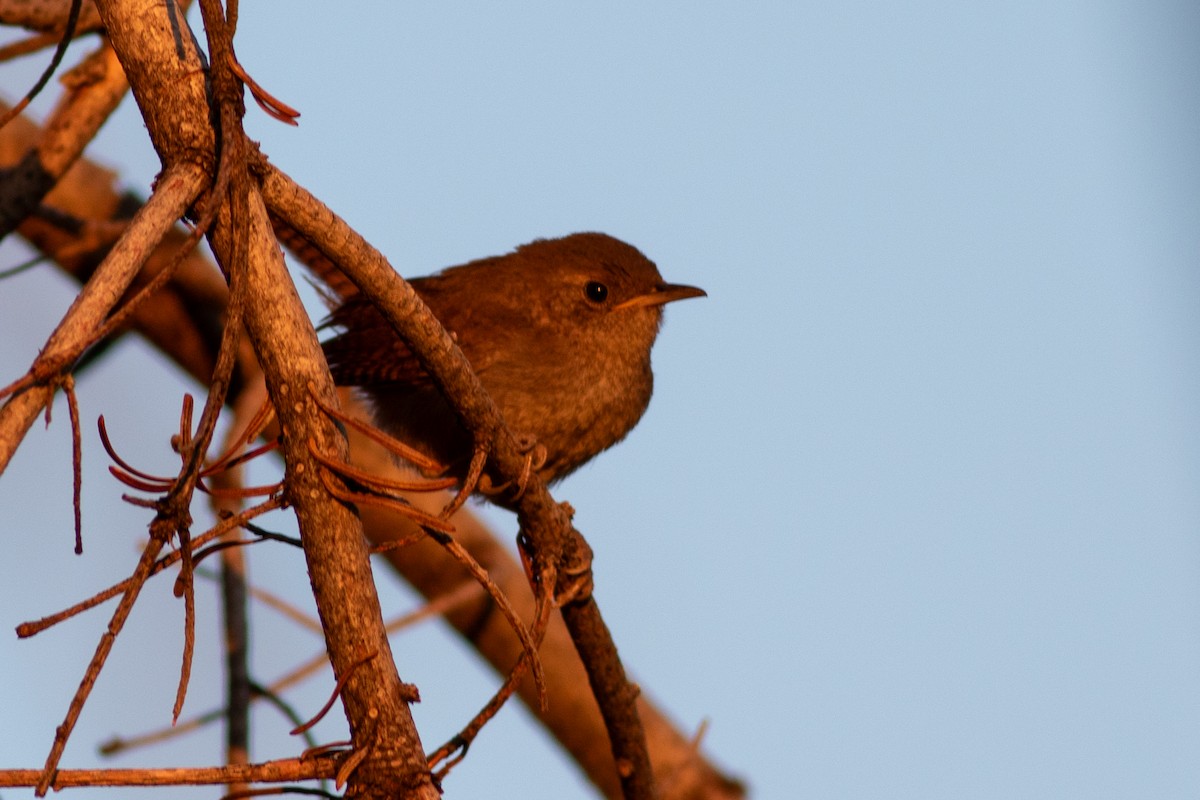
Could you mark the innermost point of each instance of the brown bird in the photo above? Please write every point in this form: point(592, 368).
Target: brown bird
point(559, 332)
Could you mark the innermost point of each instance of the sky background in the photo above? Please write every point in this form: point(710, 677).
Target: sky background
point(913, 513)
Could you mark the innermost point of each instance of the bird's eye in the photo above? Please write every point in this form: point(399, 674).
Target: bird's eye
point(596, 291)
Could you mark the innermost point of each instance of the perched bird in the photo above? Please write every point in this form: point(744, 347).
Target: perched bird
point(559, 332)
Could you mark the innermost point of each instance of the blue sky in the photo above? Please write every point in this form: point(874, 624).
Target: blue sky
point(913, 513)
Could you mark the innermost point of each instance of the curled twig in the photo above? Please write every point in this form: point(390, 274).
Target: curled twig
point(273, 106)
point(337, 690)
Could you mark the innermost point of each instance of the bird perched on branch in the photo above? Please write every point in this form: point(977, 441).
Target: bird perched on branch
point(559, 332)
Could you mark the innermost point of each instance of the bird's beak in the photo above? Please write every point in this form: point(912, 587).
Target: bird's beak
point(664, 293)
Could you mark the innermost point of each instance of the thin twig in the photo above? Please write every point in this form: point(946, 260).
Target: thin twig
point(273, 106)
point(290, 769)
point(184, 584)
point(250, 414)
point(463, 739)
point(464, 593)
point(160, 530)
point(481, 576)
point(27, 629)
point(172, 518)
point(68, 385)
point(55, 60)
point(397, 504)
point(333, 696)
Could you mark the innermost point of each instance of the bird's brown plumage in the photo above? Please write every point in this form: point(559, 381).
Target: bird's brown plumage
point(559, 332)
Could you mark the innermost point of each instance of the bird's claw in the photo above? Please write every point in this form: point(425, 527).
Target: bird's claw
point(535, 458)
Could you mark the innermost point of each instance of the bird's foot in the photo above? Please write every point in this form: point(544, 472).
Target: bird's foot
point(571, 578)
point(535, 458)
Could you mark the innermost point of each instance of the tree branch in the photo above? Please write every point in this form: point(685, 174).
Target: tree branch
point(184, 321)
point(558, 546)
point(175, 192)
point(267, 772)
point(375, 700)
point(95, 89)
point(48, 16)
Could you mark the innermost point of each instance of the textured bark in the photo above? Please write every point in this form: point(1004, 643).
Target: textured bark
point(185, 320)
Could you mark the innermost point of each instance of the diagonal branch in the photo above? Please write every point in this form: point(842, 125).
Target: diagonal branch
point(387, 748)
point(95, 89)
point(176, 190)
point(185, 316)
point(543, 522)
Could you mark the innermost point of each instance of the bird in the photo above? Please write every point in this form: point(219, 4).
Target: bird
point(559, 332)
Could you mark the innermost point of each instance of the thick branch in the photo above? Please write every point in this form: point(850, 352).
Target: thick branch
point(167, 75)
point(158, 54)
point(374, 699)
point(176, 191)
point(543, 521)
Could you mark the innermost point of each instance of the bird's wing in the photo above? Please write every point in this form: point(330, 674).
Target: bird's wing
point(367, 351)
